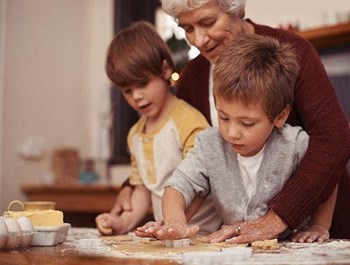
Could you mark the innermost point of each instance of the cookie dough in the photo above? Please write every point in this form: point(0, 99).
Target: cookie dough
point(105, 231)
point(153, 247)
point(270, 244)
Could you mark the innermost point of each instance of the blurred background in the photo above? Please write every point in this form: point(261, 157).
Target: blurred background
point(63, 125)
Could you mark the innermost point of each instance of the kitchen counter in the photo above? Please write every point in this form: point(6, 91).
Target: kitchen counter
point(331, 252)
point(80, 203)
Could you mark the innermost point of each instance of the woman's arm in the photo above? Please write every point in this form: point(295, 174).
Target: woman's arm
point(318, 111)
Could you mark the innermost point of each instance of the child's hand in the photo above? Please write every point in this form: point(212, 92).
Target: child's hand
point(143, 231)
point(102, 224)
point(106, 220)
point(311, 234)
point(173, 230)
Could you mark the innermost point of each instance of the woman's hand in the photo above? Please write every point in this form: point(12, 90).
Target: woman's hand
point(226, 232)
point(266, 227)
point(311, 234)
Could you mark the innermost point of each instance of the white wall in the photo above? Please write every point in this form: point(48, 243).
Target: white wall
point(2, 53)
point(54, 54)
point(309, 14)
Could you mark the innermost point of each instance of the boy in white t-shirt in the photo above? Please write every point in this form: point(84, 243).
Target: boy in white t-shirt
point(246, 160)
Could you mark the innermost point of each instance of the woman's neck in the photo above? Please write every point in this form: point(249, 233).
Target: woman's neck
point(247, 27)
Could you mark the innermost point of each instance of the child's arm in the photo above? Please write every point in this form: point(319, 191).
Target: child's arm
point(143, 231)
point(175, 223)
point(123, 201)
point(321, 221)
point(140, 201)
point(324, 212)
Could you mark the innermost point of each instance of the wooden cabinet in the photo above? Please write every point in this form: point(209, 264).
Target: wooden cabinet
point(79, 203)
point(329, 37)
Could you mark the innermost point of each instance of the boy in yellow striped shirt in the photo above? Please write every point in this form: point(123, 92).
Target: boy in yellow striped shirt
point(140, 64)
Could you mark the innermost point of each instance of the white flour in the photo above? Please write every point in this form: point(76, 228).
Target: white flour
point(331, 252)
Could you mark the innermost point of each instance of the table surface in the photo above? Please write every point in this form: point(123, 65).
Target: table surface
point(331, 252)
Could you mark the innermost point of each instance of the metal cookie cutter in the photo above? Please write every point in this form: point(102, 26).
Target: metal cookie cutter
point(168, 243)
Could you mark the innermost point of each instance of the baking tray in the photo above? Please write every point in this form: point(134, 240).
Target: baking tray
point(50, 235)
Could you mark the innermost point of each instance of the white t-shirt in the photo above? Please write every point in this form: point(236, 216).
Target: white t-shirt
point(249, 167)
point(213, 112)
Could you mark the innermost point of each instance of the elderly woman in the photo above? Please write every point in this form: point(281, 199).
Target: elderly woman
point(211, 25)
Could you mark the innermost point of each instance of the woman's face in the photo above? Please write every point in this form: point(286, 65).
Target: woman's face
point(211, 29)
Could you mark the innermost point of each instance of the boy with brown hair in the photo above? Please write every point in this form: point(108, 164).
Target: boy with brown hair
point(139, 63)
point(250, 156)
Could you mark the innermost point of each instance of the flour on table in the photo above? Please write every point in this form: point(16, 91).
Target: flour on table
point(155, 248)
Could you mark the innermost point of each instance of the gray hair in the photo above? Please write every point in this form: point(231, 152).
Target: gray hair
point(174, 7)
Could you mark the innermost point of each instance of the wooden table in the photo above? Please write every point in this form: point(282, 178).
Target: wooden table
point(59, 255)
point(80, 203)
point(329, 253)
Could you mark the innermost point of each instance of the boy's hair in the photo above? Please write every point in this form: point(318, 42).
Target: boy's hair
point(136, 55)
point(257, 69)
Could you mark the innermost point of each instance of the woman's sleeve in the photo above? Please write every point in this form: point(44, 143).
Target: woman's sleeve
point(193, 85)
point(321, 116)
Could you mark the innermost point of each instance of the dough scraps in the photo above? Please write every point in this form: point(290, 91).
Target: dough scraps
point(271, 244)
point(130, 245)
point(106, 231)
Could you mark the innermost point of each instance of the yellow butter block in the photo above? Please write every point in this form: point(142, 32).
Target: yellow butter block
point(40, 218)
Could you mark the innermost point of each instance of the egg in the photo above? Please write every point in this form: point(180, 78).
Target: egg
point(3, 233)
point(25, 224)
point(14, 233)
point(27, 231)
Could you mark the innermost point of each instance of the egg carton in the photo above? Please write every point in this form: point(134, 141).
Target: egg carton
point(168, 243)
point(20, 233)
point(15, 233)
point(50, 235)
point(226, 257)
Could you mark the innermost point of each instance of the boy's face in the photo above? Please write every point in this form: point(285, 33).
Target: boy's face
point(245, 127)
point(150, 99)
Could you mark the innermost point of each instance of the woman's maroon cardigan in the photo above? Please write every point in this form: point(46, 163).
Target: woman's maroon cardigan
point(317, 110)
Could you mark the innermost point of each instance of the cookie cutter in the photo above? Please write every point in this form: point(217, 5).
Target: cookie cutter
point(90, 243)
point(168, 243)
